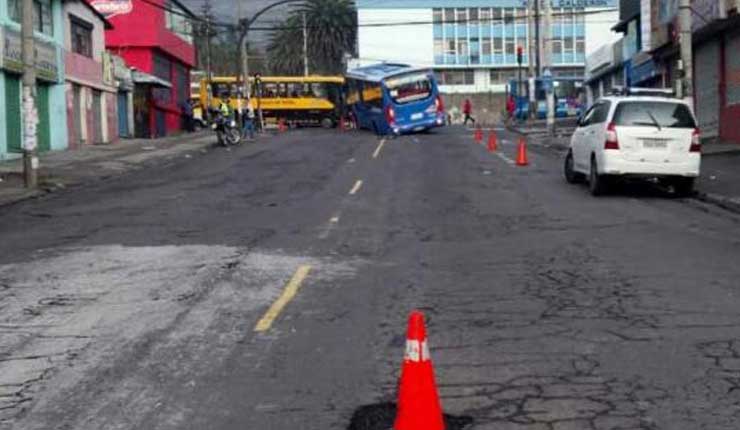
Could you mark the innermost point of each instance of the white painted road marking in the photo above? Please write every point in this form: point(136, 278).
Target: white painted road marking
point(356, 188)
point(505, 158)
point(333, 221)
point(377, 150)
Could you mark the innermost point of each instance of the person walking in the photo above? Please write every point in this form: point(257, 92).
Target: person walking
point(467, 111)
point(248, 120)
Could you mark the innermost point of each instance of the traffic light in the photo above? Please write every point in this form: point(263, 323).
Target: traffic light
point(519, 54)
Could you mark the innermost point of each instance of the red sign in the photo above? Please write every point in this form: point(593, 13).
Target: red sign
point(111, 8)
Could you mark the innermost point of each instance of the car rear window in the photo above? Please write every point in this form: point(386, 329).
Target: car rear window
point(410, 87)
point(647, 113)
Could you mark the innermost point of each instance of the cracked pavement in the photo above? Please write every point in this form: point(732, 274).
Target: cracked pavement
point(130, 304)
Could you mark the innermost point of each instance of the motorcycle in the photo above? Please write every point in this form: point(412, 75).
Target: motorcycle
point(227, 130)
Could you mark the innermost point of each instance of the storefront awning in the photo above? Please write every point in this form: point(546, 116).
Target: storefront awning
point(140, 77)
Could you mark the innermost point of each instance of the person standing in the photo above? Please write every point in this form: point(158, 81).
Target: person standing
point(187, 113)
point(248, 120)
point(467, 111)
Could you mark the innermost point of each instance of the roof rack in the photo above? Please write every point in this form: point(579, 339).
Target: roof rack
point(642, 91)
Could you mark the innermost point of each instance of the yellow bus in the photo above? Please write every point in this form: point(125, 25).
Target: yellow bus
point(301, 100)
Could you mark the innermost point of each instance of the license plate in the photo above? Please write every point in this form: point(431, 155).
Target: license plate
point(418, 115)
point(654, 143)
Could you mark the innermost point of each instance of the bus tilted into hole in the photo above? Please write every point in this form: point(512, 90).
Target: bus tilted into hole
point(393, 99)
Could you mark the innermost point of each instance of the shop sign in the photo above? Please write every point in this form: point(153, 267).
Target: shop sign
point(111, 8)
point(47, 66)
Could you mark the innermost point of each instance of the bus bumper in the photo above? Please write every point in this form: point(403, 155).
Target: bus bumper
point(418, 126)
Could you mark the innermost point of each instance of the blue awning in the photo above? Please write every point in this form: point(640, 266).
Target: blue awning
point(644, 71)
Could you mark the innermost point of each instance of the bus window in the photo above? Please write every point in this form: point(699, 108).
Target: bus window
point(269, 90)
point(372, 94)
point(408, 88)
point(295, 90)
point(353, 94)
point(319, 90)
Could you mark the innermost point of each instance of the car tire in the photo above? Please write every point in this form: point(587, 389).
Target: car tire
point(571, 175)
point(597, 184)
point(684, 187)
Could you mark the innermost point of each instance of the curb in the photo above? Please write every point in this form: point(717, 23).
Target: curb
point(730, 204)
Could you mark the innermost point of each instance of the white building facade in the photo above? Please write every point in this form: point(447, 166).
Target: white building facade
point(472, 44)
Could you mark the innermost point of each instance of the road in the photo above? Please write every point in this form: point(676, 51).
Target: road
point(132, 303)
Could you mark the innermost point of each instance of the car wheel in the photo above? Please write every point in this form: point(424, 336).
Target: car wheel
point(596, 182)
point(684, 187)
point(571, 175)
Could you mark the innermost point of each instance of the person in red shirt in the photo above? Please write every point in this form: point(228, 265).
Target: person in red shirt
point(467, 111)
point(510, 106)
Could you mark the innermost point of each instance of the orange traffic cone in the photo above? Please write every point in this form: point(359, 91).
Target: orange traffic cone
point(521, 157)
point(492, 145)
point(478, 135)
point(418, 401)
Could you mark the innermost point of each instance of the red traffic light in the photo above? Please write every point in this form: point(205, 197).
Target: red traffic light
point(519, 50)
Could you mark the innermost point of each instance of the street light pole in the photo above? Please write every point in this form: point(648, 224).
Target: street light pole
point(30, 114)
point(687, 65)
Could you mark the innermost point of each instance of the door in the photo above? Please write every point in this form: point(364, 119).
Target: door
point(160, 123)
point(141, 112)
point(597, 130)
point(13, 112)
point(43, 129)
point(97, 116)
point(122, 114)
point(580, 140)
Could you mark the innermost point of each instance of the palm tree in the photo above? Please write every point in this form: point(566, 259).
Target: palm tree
point(332, 31)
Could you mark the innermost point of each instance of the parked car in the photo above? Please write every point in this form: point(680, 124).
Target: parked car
point(635, 137)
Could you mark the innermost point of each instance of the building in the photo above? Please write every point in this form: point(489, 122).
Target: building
point(91, 94)
point(155, 37)
point(472, 44)
point(50, 98)
point(650, 54)
point(124, 80)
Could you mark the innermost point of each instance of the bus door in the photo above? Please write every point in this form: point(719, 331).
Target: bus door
point(372, 106)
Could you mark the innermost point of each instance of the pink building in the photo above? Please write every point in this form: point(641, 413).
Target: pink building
point(155, 37)
point(90, 87)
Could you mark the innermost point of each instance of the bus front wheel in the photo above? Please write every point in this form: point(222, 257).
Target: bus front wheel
point(327, 122)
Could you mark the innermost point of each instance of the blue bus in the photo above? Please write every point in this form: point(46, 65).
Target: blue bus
point(393, 99)
point(568, 95)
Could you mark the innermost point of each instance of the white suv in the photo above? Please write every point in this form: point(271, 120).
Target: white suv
point(648, 137)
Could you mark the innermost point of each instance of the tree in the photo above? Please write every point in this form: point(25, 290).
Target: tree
point(332, 32)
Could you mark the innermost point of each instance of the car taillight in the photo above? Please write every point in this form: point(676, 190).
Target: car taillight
point(611, 137)
point(439, 104)
point(695, 141)
point(390, 115)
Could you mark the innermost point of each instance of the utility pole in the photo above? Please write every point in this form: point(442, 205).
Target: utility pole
point(686, 87)
point(30, 114)
point(548, 65)
point(538, 54)
point(305, 45)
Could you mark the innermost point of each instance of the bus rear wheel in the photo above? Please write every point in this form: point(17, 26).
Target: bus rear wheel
point(327, 122)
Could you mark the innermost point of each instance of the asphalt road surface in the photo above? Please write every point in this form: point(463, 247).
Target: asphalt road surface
point(133, 303)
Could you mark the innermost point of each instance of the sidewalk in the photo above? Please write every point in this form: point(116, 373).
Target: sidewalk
point(59, 169)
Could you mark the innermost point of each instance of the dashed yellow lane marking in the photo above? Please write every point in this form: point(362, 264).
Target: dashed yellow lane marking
point(356, 187)
point(290, 291)
point(377, 150)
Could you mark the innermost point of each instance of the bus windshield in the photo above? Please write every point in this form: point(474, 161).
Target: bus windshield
point(410, 87)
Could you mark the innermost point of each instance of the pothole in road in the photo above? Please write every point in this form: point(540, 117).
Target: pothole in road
point(380, 416)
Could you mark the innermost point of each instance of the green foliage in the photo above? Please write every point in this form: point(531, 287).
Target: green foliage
point(332, 32)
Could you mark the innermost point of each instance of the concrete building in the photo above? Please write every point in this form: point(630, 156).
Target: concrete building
point(51, 106)
point(92, 116)
point(155, 37)
point(472, 44)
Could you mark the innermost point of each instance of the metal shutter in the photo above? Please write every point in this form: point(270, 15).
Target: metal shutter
point(706, 80)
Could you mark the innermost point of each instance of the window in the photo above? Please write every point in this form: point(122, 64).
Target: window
point(162, 66)
point(449, 15)
point(457, 77)
point(462, 47)
point(666, 114)
point(437, 16)
point(568, 44)
point(485, 15)
point(557, 47)
point(498, 45)
point(509, 16)
point(81, 36)
point(497, 13)
point(176, 22)
point(581, 46)
point(409, 88)
point(601, 113)
point(473, 14)
point(372, 94)
point(42, 14)
point(486, 46)
point(462, 15)
point(502, 76)
point(510, 47)
point(451, 47)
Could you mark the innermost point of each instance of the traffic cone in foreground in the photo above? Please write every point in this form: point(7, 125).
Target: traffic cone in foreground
point(418, 401)
point(492, 144)
point(478, 135)
point(521, 157)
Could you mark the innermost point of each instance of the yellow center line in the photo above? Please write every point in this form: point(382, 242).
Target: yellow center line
point(290, 291)
point(356, 188)
point(377, 150)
